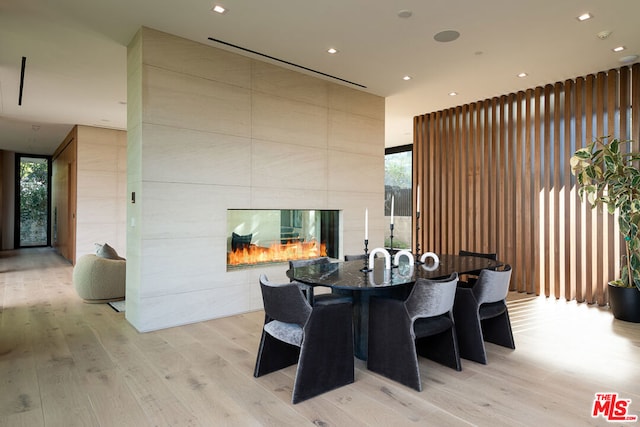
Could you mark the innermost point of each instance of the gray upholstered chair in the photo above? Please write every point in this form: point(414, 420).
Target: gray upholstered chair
point(319, 339)
point(481, 314)
point(422, 325)
point(470, 279)
point(326, 298)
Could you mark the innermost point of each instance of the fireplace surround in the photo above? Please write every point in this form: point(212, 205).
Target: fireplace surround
point(265, 236)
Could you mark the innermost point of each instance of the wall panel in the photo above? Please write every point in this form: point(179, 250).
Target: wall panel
point(495, 177)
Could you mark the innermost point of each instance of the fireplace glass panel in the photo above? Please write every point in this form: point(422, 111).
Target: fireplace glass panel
point(260, 236)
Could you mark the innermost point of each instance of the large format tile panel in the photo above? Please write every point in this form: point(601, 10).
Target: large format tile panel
point(288, 166)
point(355, 172)
point(174, 210)
point(184, 101)
point(285, 120)
point(355, 133)
point(278, 81)
point(211, 158)
point(355, 101)
point(188, 57)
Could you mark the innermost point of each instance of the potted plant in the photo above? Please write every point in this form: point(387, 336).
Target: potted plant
point(608, 175)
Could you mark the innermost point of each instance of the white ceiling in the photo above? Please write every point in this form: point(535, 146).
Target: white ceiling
point(76, 51)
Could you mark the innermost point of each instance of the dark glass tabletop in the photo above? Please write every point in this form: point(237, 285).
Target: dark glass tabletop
point(347, 275)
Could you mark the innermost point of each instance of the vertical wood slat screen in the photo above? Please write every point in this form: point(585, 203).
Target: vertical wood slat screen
point(494, 176)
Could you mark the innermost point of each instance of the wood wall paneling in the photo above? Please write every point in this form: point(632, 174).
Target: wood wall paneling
point(495, 177)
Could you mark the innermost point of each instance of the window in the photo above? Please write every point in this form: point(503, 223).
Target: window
point(32, 204)
point(398, 178)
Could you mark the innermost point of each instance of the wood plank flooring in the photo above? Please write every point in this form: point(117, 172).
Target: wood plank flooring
point(67, 363)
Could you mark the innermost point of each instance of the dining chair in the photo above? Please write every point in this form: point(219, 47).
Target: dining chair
point(481, 314)
point(470, 279)
point(422, 325)
point(325, 298)
point(319, 339)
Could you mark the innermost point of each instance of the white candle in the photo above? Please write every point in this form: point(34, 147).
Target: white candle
point(366, 224)
point(392, 197)
point(418, 201)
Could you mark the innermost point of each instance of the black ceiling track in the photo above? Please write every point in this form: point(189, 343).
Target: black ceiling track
point(285, 62)
point(24, 64)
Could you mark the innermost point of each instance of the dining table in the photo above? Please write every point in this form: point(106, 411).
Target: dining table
point(363, 281)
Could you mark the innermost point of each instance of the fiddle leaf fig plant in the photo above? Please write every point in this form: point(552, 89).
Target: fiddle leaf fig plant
point(608, 175)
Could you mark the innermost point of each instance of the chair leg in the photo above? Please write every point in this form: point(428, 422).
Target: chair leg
point(497, 330)
point(326, 357)
point(392, 350)
point(441, 348)
point(274, 355)
point(469, 331)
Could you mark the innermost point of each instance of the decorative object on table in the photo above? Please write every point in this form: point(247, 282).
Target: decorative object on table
point(385, 253)
point(422, 325)
point(100, 278)
point(319, 339)
point(481, 314)
point(608, 175)
point(403, 253)
point(434, 257)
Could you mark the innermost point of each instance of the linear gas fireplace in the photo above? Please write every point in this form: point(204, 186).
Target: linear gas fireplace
point(262, 236)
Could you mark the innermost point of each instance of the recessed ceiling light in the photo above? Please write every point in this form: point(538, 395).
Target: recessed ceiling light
point(618, 49)
point(332, 50)
point(404, 13)
point(585, 16)
point(453, 93)
point(446, 36)
point(628, 59)
point(522, 75)
point(406, 78)
point(219, 9)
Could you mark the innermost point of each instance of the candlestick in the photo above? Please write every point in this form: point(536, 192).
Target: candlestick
point(418, 238)
point(366, 268)
point(391, 252)
point(418, 201)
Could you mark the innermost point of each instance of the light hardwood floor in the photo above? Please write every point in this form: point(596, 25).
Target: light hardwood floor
point(67, 363)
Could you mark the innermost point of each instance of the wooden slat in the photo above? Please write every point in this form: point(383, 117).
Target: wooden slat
point(590, 239)
point(579, 210)
point(602, 216)
point(569, 247)
point(529, 214)
point(556, 209)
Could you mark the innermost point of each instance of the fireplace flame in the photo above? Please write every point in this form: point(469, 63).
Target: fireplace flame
point(254, 254)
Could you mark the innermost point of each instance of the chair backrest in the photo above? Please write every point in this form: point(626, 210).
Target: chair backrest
point(305, 262)
point(479, 254)
point(430, 298)
point(284, 302)
point(492, 285)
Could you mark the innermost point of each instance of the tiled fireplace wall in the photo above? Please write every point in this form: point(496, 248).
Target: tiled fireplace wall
point(210, 130)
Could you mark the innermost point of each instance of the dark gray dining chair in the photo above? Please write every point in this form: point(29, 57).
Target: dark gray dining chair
point(422, 325)
point(470, 279)
point(481, 314)
point(319, 339)
point(326, 298)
